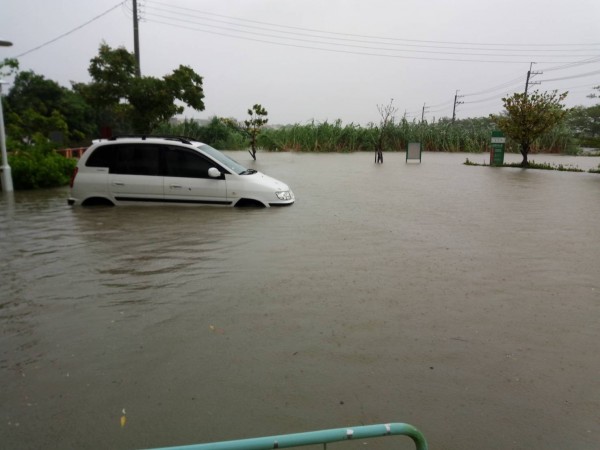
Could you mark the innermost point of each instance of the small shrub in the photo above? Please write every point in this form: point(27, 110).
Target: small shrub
point(40, 167)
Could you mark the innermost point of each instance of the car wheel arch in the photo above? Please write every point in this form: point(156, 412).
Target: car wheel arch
point(97, 201)
point(249, 203)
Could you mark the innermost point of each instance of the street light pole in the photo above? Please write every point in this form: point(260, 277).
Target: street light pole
point(5, 172)
point(7, 184)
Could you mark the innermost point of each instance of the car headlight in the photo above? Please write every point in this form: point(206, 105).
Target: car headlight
point(284, 195)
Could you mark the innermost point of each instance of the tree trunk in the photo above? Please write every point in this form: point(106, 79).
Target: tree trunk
point(525, 152)
point(253, 150)
point(379, 149)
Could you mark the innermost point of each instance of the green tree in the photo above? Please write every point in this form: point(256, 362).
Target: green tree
point(8, 67)
point(258, 118)
point(527, 117)
point(37, 107)
point(140, 103)
point(585, 122)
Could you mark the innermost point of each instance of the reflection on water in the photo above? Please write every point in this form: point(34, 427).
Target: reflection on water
point(476, 289)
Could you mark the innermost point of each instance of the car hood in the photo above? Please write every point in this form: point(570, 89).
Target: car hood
point(267, 181)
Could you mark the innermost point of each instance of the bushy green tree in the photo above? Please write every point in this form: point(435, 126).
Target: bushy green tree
point(37, 107)
point(527, 117)
point(585, 122)
point(254, 124)
point(140, 103)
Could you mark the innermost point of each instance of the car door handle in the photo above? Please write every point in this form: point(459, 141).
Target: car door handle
point(118, 183)
point(175, 186)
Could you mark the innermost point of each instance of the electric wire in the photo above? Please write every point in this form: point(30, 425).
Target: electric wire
point(367, 36)
point(311, 36)
point(582, 75)
point(364, 53)
point(394, 45)
point(71, 31)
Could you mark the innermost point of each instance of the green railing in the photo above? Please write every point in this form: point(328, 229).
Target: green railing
point(314, 438)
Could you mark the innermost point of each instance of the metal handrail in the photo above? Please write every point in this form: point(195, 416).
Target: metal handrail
point(313, 437)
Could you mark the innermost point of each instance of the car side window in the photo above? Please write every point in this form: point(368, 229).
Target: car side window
point(136, 159)
point(186, 163)
point(102, 157)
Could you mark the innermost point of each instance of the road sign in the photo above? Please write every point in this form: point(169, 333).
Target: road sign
point(497, 152)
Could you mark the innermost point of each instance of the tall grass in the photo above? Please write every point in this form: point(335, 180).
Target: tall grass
point(320, 137)
point(468, 135)
point(216, 133)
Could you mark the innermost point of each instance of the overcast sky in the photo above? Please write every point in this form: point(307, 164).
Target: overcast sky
point(325, 59)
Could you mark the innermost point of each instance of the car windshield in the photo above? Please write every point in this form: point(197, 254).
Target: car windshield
point(225, 160)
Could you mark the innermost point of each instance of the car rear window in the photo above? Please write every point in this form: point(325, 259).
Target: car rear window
point(101, 157)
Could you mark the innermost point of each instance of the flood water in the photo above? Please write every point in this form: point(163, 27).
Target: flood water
point(462, 300)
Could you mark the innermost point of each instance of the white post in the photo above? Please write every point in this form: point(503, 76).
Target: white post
point(5, 172)
point(5, 175)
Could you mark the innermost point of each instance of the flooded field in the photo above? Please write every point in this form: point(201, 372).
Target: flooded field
point(462, 300)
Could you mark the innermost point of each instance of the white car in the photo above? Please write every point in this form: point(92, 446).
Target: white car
point(169, 170)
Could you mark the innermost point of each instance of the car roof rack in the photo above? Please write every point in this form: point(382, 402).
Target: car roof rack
point(182, 139)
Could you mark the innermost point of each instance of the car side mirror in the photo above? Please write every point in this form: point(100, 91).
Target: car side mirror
point(213, 172)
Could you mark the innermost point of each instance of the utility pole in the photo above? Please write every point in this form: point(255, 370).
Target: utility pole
point(136, 40)
point(456, 102)
point(529, 75)
point(423, 112)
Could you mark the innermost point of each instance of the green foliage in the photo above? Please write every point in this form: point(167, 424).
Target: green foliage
point(585, 125)
point(112, 71)
point(320, 137)
point(546, 166)
point(8, 67)
point(40, 167)
point(139, 104)
point(469, 135)
point(532, 165)
point(472, 135)
point(529, 116)
point(36, 108)
point(254, 124)
point(219, 133)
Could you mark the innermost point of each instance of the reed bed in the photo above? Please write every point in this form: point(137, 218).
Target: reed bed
point(468, 135)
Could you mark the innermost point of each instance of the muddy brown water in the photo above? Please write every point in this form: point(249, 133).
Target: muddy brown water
point(462, 300)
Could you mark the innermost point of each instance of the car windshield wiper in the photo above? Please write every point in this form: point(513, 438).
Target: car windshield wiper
point(247, 172)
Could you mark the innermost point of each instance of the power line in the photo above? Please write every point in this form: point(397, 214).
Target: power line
point(592, 60)
point(313, 47)
point(484, 100)
point(503, 86)
point(71, 31)
point(567, 46)
point(596, 72)
point(394, 42)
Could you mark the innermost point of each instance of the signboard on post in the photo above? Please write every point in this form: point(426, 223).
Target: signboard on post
point(497, 152)
point(413, 151)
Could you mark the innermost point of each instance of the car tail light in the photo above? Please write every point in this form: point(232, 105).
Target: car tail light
point(73, 176)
